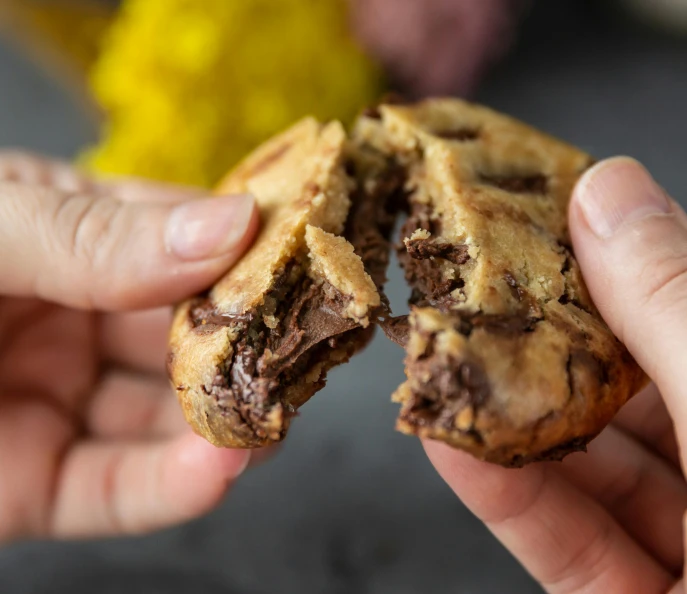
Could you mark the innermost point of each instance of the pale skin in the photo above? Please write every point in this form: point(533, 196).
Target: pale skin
point(92, 441)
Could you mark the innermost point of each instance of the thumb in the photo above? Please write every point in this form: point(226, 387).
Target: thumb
point(630, 239)
point(93, 251)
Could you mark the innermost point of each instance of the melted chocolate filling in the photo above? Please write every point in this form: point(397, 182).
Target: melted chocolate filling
point(424, 249)
point(310, 319)
point(268, 360)
point(421, 260)
point(452, 385)
point(372, 217)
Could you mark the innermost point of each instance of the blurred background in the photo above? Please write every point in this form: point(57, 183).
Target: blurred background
point(349, 506)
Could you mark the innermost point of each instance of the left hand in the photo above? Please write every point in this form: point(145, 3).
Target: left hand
point(92, 440)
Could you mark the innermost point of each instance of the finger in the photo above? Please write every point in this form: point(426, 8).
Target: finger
point(120, 488)
point(86, 251)
point(128, 406)
point(15, 314)
point(29, 169)
point(646, 418)
point(34, 433)
point(565, 540)
point(139, 190)
point(631, 242)
point(645, 494)
point(136, 340)
point(51, 353)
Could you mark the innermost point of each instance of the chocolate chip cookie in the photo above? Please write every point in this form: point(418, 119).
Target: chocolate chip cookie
point(507, 357)
point(245, 356)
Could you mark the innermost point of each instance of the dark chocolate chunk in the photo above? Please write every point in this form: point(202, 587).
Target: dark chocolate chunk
point(315, 317)
point(424, 274)
point(554, 454)
point(583, 369)
point(206, 317)
point(459, 135)
point(505, 324)
point(396, 329)
point(524, 184)
point(421, 249)
point(372, 217)
point(451, 387)
point(373, 113)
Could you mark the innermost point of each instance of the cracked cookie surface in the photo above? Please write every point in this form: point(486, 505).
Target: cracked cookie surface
point(247, 355)
point(507, 356)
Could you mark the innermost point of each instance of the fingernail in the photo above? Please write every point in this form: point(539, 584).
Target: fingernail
point(209, 227)
point(616, 192)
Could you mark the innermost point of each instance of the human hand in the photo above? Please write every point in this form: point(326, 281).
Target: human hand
point(436, 47)
point(609, 520)
point(92, 440)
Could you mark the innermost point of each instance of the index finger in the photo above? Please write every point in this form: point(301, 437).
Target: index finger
point(27, 168)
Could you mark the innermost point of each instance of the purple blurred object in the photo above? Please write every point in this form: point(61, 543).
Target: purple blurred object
point(435, 47)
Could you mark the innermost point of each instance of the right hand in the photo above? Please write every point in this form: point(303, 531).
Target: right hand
point(611, 520)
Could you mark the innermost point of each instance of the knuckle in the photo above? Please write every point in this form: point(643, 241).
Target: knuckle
point(84, 227)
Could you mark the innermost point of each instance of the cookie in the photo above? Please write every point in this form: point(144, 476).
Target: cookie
point(507, 357)
point(244, 357)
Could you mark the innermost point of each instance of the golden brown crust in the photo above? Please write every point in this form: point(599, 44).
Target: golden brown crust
point(298, 180)
point(507, 357)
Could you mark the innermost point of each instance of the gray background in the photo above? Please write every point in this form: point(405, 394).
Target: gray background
point(349, 506)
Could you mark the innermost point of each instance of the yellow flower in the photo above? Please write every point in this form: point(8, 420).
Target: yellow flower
point(189, 86)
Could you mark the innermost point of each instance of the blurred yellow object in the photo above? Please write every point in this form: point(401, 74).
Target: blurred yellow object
point(64, 35)
point(190, 86)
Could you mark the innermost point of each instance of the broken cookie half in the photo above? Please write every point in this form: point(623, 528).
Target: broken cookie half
point(507, 357)
point(247, 355)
